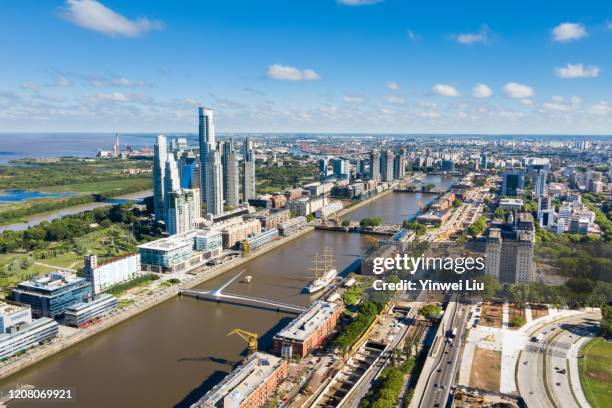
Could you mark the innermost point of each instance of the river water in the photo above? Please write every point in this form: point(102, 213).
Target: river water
point(172, 354)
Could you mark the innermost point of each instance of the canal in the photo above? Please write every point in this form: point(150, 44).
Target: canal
point(172, 354)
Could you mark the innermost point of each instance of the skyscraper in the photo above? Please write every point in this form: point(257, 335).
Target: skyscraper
point(172, 182)
point(375, 165)
point(386, 165)
point(323, 167)
point(182, 213)
point(540, 183)
point(159, 169)
point(206, 138)
point(231, 187)
point(248, 181)
point(214, 183)
point(399, 165)
point(513, 181)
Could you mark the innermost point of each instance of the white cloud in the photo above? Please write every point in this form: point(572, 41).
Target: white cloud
point(554, 106)
point(481, 91)
point(93, 15)
point(471, 38)
point(577, 71)
point(557, 99)
point(602, 108)
point(526, 102)
point(569, 32)
point(358, 2)
point(289, 73)
point(353, 99)
point(395, 99)
point(112, 97)
point(444, 90)
point(394, 86)
point(123, 81)
point(516, 90)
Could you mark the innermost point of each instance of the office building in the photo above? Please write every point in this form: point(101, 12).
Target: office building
point(51, 294)
point(260, 239)
point(509, 251)
point(167, 254)
point(341, 167)
point(214, 184)
point(579, 224)
point(103, 275)
point(22, 336)
point(12, 315)
point(292, 226)
point(512, 204)
point(306, 205)
point(159, 171)
point(513, 182)
point(231, 176)
point(210, 242)
point(248, 178)
point(206, 139)
point(540, 183)
point(323, 163)
point(274, 218)
point(329, 209)
point(386, 165)
point(233, 234)
point(250, 385)
point(375, 165)
point(86, 312)
point(484, 161)
point(182, 211)
point(448, 165)
point(307, 331)
point(187, 167)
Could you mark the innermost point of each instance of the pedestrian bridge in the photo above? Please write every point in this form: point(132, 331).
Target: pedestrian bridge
point(217, 295)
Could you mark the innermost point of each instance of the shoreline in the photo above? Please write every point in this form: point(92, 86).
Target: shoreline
point(164, 295)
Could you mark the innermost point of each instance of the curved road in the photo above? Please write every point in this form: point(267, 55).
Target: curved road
point(553, 352)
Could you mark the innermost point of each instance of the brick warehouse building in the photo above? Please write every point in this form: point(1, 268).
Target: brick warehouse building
point(307, 331)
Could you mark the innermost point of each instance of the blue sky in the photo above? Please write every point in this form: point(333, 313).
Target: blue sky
point(307, 66)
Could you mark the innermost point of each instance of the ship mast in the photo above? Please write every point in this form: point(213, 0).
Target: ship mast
point(316, 266)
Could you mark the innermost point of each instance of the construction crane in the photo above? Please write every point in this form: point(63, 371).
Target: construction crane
point(250, 338)
point(246, 248)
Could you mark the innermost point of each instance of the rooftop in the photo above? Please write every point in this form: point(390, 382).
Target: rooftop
point(7, 308)
point(50, 281)
point(305, 324)
point(173, 242)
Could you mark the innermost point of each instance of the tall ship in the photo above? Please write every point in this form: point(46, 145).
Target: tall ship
point(324, 271)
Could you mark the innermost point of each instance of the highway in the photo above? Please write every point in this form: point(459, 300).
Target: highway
point(552, 351)
point(442, 375)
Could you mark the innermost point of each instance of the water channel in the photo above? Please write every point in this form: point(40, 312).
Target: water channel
point(172, 354)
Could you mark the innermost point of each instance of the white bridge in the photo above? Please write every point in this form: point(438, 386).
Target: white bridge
point(218, 296)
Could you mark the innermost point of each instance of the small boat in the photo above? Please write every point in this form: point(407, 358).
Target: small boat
point(247, 279)
point(322, 276)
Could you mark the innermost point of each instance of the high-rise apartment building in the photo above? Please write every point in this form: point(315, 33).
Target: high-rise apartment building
point(231, 187)
point(159, 170)
point(399, 165)
point(375, 165)
point(172, 181)
point(513, 181)
point(248, 180)
point(182, 211)
point(540, 183)
point(386, 165)
point(214, 183)
point(206, 138)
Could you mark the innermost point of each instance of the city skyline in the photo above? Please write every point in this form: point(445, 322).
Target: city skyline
point(341, 66)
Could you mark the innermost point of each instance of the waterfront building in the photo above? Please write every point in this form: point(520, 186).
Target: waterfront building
point(233, 234)
point(104, 275)
point(214, 184)
point(182, 212)
point(12, 315)
point(231, 181)
point(513, 182)
point(386, 165)
point(94, 308)
point(22, 336)
point(51, 294)
point(375, 165)
point(250, 385)
point(248, 178)
point(292, 226)
point(307, 205)
point(329, 209)
point(159, 170)
point(307, 331)
point(399, 165)
point(274, 218)
point(315, 189)
point(258, 240)
point(167, 254)
point(206, 139)
point(210, 242)
point(172, 182)
point(509, 251)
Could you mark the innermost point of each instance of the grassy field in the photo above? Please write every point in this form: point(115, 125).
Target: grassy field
point(596, 372)
point(101, 186)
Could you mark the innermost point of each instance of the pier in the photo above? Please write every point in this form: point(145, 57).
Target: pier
point(218, 296)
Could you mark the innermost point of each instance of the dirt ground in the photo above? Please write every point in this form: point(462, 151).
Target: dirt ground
point(491, 315)
point(514, 311)
point(538, 311)
point(486, 368)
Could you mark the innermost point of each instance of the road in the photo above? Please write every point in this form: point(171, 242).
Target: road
point(442, 375)
point(552, 351)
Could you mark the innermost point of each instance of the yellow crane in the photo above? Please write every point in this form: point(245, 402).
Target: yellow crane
point(246, 248)
point(250, 338)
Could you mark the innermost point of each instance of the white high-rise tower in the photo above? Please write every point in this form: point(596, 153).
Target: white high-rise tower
point(159, 170)
point(207, 142)
point(214, 183)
